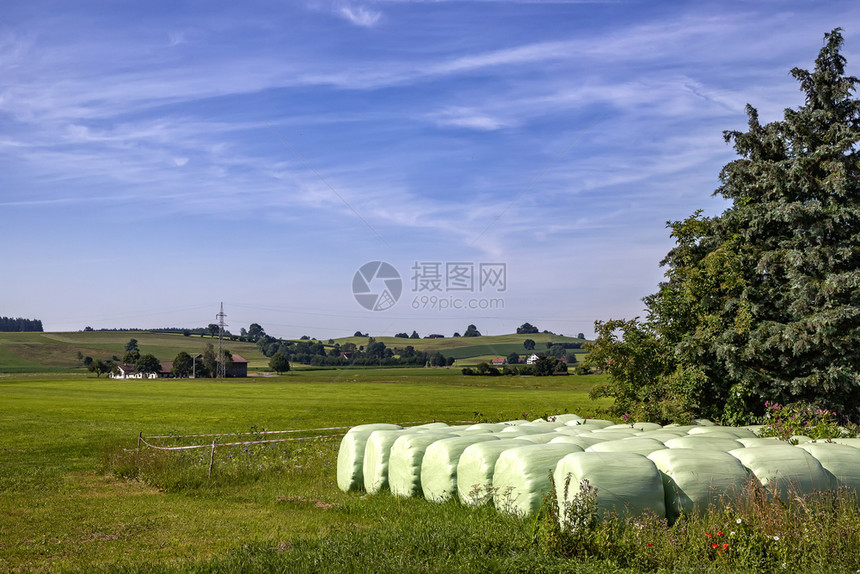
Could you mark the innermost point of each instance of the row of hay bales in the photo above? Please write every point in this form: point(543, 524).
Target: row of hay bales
point(665, 469)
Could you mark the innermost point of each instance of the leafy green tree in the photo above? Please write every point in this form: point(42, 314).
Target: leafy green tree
point(402, 335)
point(255, 331)
point(213, 329)
point(580, 335)
point(210, 360)
point(472, 331)
point(147, 364)
point(99, 367)
point(131, 345)
point(529, 345)
point(527, 329)
point(513, 359)
point(131, 357)
point(761, 303)
point(414, 335)
point(279, 363)
point(183, 364)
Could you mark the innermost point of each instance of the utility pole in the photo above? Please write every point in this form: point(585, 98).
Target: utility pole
point(222, 364)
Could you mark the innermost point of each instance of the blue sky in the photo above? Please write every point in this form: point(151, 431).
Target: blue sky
point(159, 158)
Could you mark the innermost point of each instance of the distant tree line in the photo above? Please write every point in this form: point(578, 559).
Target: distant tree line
point(19, 325)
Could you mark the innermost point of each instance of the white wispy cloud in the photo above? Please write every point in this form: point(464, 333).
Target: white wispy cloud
point(359, 15)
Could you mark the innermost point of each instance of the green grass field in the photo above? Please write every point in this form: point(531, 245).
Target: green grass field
point(62, 509)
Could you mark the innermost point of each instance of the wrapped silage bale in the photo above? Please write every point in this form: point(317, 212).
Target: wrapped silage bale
point(784, 469)
point(430, 426)
point(573, 431)
point(626, 483)
point(682, 428)
point(799, 439)
point(491, 427)
point(539, 438)
point(704, 422)
point(694, 479)
point(521, 476)
point(439, 466)
point(350, 456)
point(376, 455)
point(753, 428)
point(471, 432)
point(520, 430)
point(582, 441)
point(517, 422)
point(756, 442)
point(616, 434)
point(643, 446)
point(564, 418)
point(645, 427)
point(735, 432)
point(705, 442)
point(404, 462)
point(590, 422)
point(476, 467)
point(661, 435)
point(545, 426)
point(852, 442)
point(841, 462)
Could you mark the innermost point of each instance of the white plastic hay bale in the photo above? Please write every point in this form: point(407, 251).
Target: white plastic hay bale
point(616, 434)
point(573, 431)
point(582, 441)
point(753, 428)
point(704, 422)
point(645, 427)
point(841, 462)
point(539, 438)
point(516, 422)
point(404, 461)
point(376, 455)
point(661, 435)
point(471, 432)
point(694, 479)
point(431, 426)
point(682, 428)
point(564, 418)
point(800, 439)
point(520, 430)
point(643, 446)
point(492, 427)
point(852, 442)
point(521, 476)
point(544, 426)
point(784, 469)
point(350, 455)
point(756, 442)
point(590, 422)
point(476, 467)
point(439, 466)
point(626, 483)
point(625, 426)
point(735, 432)
point(705, 442)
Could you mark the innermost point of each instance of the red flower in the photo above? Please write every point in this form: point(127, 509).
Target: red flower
point(650, 544)
point(708, 535)
point(725, 546)
point(720, 533)
point(715, 545)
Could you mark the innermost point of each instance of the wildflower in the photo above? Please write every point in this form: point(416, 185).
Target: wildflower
point(776, 538)
point(738, 520)
point(715, 545)
point(708, 535)
point(720, 533)
point(650, 544)
point(725, 546)
point(732, 533)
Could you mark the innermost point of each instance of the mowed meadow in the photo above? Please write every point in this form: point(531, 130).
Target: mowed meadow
point(74, 495)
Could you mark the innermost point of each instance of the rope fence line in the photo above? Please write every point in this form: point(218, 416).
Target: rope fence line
point(265, 432)
point(141, 440)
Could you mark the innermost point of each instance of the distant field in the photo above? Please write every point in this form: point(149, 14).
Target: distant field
point(63, 511)
point(58, 352)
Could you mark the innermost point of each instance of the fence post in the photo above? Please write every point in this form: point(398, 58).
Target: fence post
point(139, 438)
point(212, 457)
